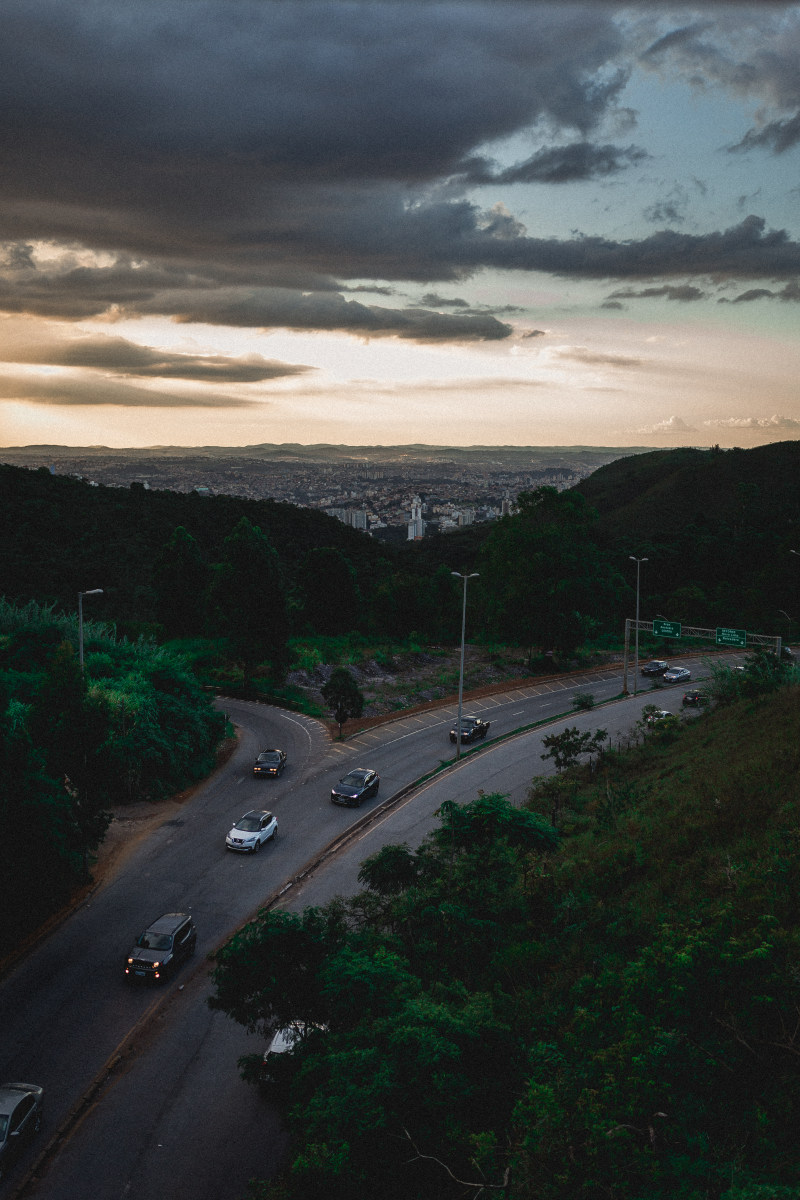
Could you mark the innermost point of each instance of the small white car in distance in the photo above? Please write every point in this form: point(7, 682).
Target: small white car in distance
point(251, 830)
point(677, 675)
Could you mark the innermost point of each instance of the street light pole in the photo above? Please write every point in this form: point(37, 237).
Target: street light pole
point(638, 562)
point(458, 575)
point(91, 592)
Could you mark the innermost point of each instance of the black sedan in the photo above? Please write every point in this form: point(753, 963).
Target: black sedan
point(656, 666)
point(695, 698)
point(472, 728)
point(270, 763)
point(357, 785)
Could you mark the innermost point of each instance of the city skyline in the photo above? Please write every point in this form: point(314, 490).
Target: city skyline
point(384, 222)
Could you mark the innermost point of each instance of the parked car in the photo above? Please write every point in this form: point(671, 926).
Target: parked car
point(656, 666)
point(357, 785)
point(677, 675)
point(472, 728)
point(694, 698)
point(163, 946)
point(20, 1119)
point(655, 718)
point(252, 830)
point(275, 1064)
point(270, 763)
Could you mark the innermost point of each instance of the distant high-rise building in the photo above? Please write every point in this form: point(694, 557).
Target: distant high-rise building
point(416, 526)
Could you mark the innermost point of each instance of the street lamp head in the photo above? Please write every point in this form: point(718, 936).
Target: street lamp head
point(93, 592)
point(458, 575)
point(633, 558)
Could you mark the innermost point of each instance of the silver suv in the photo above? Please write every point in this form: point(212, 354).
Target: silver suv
point(20, 1119)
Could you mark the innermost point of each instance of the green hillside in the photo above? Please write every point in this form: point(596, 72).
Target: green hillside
point(716, 527)
point(616, 1017)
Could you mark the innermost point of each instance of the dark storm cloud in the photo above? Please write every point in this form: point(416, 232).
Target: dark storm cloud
point(686, 292)
point(238, 161)
point(125, 289)
point(301, 310)
point(744, 250)
point(791, 293)
point(778, 135)
point(432, 300)
point(315, 87)
point(128, 358)
point(580, 161)
point(90, 392)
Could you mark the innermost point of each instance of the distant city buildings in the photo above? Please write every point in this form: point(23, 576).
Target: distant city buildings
point(401, 497)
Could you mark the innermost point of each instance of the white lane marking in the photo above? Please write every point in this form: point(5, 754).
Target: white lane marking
point(519, 713)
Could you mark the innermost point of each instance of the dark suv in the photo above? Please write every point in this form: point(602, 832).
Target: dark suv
point(162, 947)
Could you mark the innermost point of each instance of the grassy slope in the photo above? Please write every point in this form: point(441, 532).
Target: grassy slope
point(672, 984)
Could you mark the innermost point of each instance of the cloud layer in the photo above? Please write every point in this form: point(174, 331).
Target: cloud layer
point(242, 164)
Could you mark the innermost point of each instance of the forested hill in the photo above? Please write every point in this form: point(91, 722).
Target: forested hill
point(61, 535)
point(715, 525)
point(655, 496)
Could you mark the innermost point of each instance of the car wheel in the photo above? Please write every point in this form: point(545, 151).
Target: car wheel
point(274, 834)
point(377, 785)
point(257, 846)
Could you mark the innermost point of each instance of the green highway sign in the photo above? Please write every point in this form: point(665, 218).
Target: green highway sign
point(732, 637)
point(662, 628)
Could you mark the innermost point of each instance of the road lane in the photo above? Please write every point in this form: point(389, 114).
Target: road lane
point(180, 1088)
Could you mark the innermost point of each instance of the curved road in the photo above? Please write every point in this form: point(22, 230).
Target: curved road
point(172, 1118)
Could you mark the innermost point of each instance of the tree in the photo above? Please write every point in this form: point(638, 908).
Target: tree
point(70, 727)
point(249, 597)
point(330, 599)
point(566, 748)
point(389, 871)
point(544, 579)
point(342, 695)
point(181, 577)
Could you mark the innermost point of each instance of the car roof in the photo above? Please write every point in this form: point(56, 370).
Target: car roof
point(256, 812)
point(12, 1093)
point(265, 753)
point(363, 772)
point(168, 923)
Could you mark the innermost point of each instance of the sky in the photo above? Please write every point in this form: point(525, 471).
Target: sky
point(480, 222)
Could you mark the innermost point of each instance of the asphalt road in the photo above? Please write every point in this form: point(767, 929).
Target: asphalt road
point(171, 1118)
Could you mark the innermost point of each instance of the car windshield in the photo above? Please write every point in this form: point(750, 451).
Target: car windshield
point(269, 756)
point(248, 825)
point(155, 941)
point(354, 779)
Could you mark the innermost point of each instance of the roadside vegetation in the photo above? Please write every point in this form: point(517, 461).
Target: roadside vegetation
point(135, 724)
point(602, 1005)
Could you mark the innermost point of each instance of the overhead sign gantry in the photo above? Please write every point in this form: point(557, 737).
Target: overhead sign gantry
point(738, 639)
